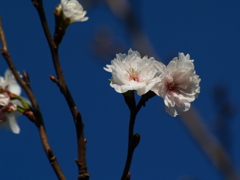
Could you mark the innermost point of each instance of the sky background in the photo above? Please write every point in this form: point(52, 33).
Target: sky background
point(208, 30)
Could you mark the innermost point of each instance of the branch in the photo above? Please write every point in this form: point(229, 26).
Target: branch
point(134, 139)
point(36, 117)
point(60, 81)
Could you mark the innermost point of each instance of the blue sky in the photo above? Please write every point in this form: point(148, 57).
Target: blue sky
point(208, 30)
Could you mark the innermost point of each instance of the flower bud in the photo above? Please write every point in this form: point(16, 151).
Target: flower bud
point(135, 140)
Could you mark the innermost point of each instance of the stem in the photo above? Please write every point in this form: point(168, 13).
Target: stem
point(131, 147)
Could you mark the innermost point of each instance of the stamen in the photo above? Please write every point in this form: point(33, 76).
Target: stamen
point(134, 76)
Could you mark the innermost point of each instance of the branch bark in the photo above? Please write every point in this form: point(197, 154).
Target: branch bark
point(60, 81)
point(37, 115)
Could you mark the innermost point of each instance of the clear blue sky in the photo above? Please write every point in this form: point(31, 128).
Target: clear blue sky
point(208, 30)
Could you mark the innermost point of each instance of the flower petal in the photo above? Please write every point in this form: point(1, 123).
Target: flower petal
point(12, 123)
point(14, 88)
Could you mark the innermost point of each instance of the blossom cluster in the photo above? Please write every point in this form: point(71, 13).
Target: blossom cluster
point(8, 105)
point(177, 83)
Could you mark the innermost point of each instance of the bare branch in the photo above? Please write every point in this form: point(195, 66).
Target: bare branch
point(60, 81)
point(36, 117)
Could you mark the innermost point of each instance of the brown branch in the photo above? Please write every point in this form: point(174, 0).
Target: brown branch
point(134, 139)
point(37, 116)
point(60, 81)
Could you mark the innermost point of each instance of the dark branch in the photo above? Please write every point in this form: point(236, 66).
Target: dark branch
point(36, 116)
point(60, 81)
point(133, 140)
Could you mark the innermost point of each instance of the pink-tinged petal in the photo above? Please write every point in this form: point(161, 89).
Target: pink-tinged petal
point(156, 89)
point(4, 99)
point(169, 100)
point(179, 85)
point(182, 103)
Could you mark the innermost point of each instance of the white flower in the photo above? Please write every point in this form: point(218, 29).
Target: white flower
point(131, 72)
point(4, 99)
point(8, 113)
point(179, 84)
point(73, 10)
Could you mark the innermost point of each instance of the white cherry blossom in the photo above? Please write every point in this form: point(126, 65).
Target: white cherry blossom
point(131, 72)
point(8, 113)
point(73, 10)
point(179, 84)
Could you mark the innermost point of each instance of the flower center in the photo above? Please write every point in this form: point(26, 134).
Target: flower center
point(172, 86)
point(134, 76)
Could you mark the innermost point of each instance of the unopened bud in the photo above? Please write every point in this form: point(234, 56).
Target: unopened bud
point(53, 78)
point(135, 140)
point(128, 176)
point(30, 115)
point(26, 77)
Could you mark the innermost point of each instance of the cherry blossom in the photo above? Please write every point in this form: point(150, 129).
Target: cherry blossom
point(131, 72)
point(73, 11)
point(8, 113)
point(178, 85)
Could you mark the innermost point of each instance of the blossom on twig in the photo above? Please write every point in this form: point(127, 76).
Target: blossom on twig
point(179, 84)
point(131, 72)
point(73, 11)
point(69, 11)
point(8, 107)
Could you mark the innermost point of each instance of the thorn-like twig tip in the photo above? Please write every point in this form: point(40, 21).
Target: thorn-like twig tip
point(26, 77)
point(53, 78)
point(128, 176)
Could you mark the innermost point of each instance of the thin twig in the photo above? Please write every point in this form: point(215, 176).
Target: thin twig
point(131, 137)
point(37, 116)
point(60, 81)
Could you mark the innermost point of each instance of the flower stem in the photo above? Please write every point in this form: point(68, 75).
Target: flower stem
point(133, 138)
